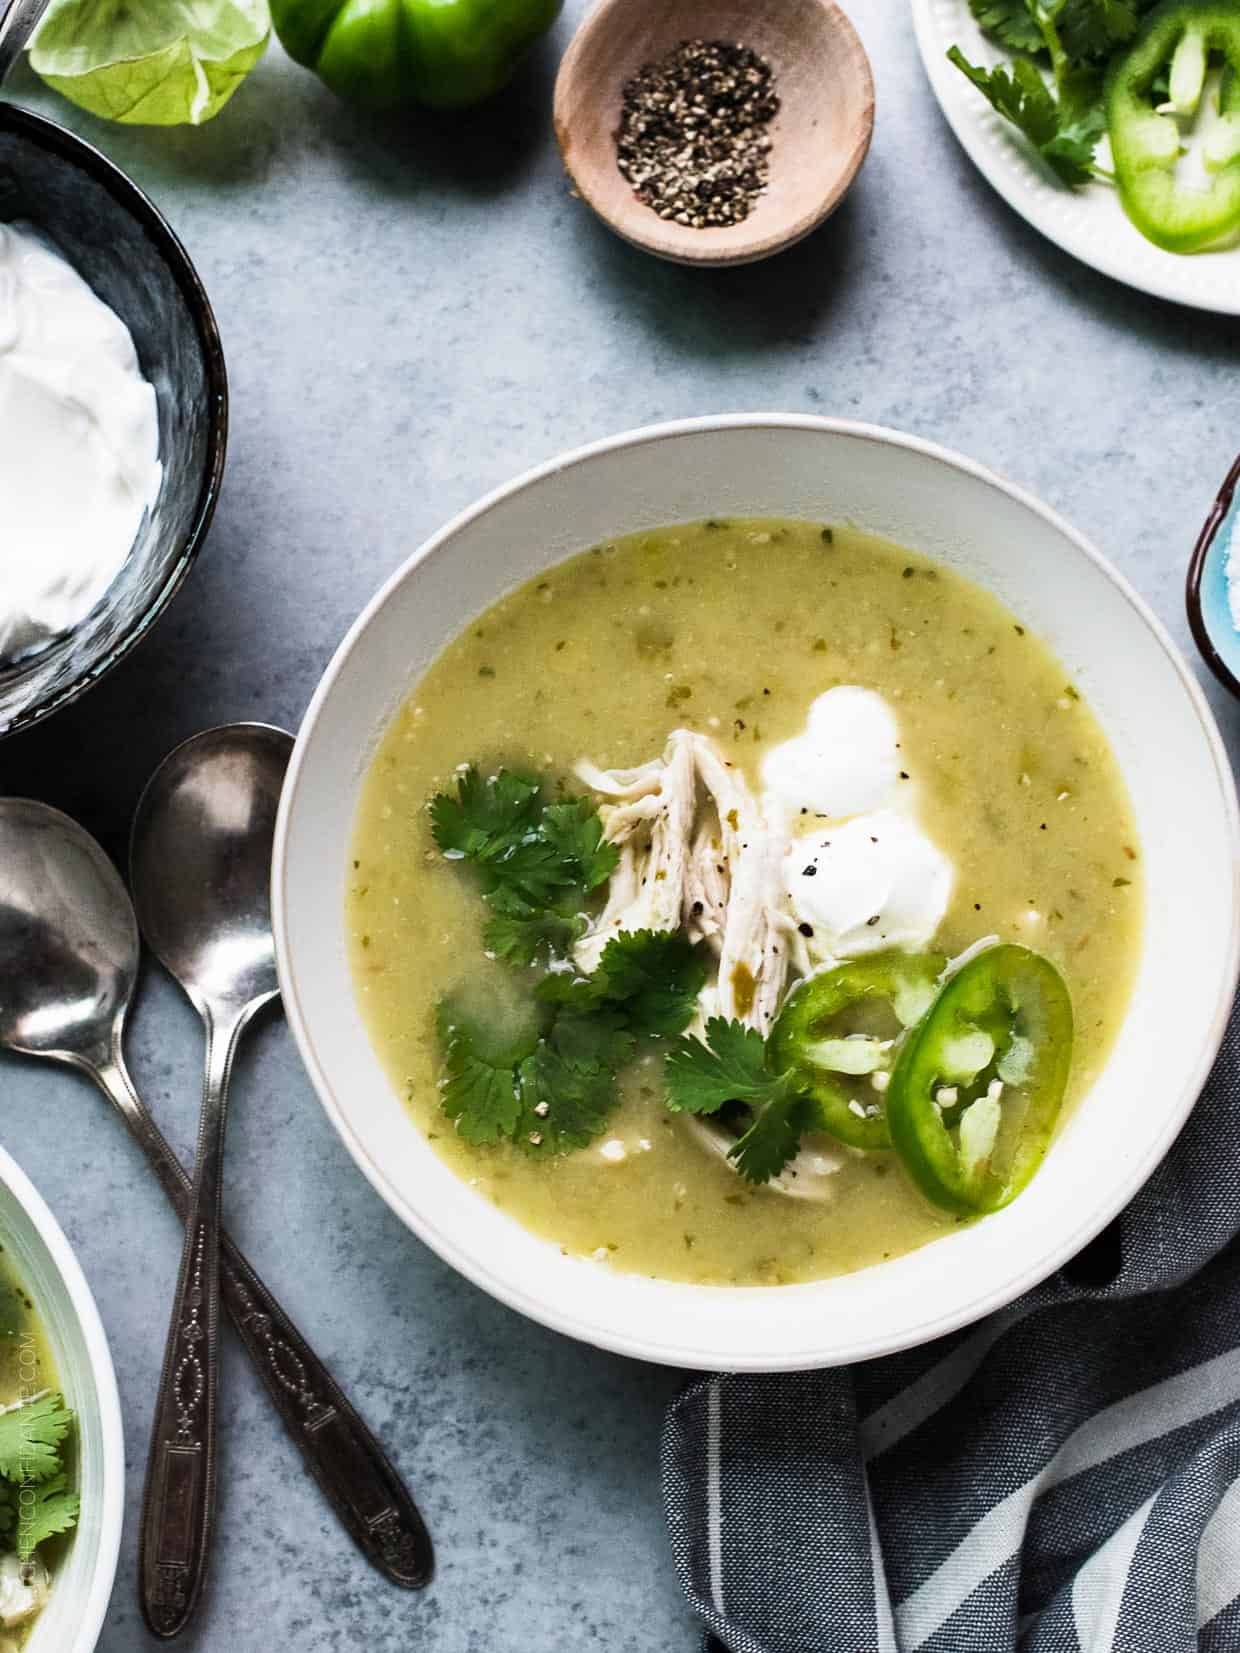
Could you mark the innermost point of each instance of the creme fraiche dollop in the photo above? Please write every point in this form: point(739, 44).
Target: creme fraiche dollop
point(79, 444)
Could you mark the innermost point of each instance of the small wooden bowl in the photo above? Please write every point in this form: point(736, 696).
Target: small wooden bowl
point(819, 138)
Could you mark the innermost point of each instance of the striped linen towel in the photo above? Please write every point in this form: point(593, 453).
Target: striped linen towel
point(1061, 1478)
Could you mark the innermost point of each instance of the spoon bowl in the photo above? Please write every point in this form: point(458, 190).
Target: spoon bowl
point(820, 136)
point(68, 941)
point(200, 858)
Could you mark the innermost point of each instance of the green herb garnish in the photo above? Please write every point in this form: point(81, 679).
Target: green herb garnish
point(1021, 95)
point(1052, 91)
point(30, 1438)
point(730, 1067)
point(52, 1509)
point(537, 861)
point(552, 1086)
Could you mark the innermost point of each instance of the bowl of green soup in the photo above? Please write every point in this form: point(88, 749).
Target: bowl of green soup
point(735, 885)
point(62, 1456)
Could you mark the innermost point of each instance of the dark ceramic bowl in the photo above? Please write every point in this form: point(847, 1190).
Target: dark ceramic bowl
point(1213, 607)
point(117, 241)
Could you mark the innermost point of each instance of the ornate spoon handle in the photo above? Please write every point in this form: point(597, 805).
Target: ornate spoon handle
point(178, 1504)
point(339, 1450)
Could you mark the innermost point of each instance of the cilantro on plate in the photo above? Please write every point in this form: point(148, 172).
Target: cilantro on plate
point(1052, 90)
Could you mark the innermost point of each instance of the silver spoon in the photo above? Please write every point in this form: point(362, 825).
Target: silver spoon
point(200, 870)
point(69, 958)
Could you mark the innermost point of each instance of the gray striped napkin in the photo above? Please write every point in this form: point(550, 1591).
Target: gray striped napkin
point(1061, 1478)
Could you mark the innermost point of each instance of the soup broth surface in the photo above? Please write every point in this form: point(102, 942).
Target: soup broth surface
point(732, 629)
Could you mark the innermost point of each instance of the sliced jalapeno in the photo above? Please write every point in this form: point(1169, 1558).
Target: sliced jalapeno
point(978, 1084)
point(829, 1035)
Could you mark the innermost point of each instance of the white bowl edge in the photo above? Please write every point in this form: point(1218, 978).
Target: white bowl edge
point(73, 1619)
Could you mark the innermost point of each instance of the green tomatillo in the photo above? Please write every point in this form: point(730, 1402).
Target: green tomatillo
point(447, 54)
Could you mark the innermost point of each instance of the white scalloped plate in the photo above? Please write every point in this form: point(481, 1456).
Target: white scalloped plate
point(1089, 223)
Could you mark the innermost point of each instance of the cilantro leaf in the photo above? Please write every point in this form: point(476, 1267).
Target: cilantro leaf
point(45, 1511)
point(729, 1067)
point(654, 975)
point(1021, 96)
point(486, 815)
point(523, 933)
point(1009, 22)
point(565, 987)
point(538, 862)
point(546, 1089)
point(595, 1040)
point(563, 1105)
point(775, 1135)
point(732, 1067)
point(1071, 153)
point(575, 834)
point(478, 1089)
point(1094, 28)
point(29, 1436)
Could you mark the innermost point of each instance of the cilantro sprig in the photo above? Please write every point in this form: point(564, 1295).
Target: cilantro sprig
point(550, 1084)
point(1021, 95)
point(35, 1498)
point(537, 861)
point(1052, 91)
point(732, 1066)
point(553, 1086)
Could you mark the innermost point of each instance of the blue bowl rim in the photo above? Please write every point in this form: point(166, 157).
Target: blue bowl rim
point(77, 152)
point(1196, 570)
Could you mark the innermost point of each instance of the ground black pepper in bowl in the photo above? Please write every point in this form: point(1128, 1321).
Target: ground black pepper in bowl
point(693, 138)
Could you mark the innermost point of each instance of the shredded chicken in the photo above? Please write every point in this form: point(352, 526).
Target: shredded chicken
point(23, 1589)
point(696, 849)
point(651, 822)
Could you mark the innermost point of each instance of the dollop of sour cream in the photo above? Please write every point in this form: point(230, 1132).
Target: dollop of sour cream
point(870, 883)
point(847, 761)
point(79, 444)
point(859, 873)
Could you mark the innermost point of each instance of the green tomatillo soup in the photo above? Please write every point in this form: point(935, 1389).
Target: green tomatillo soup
point(744, 903)
point(38, 1502)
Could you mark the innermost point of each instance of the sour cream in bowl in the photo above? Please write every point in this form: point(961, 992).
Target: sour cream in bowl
point(113, 416)
point(79, 444)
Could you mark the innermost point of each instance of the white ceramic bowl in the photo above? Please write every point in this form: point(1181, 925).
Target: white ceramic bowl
point(937, 503)
point(44, 1262)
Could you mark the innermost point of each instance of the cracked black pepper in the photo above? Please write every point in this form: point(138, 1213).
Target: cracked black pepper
point(693, 139)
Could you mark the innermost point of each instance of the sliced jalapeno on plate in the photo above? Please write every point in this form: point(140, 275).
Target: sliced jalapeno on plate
point(831, 1036)
point(978, 1084)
